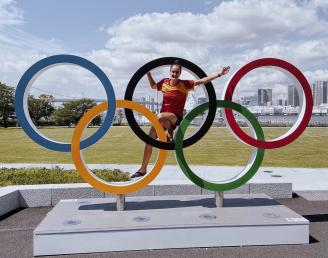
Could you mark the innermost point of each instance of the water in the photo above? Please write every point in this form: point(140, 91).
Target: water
point(274, 120)
point(265, 120)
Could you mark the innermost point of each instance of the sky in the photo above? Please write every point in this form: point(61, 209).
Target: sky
point(121, 36)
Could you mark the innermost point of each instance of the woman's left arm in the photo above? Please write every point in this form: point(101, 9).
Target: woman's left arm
point(207, 79)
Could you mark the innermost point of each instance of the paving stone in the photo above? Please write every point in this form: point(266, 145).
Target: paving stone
point(35, 197)
point(314, 195)
point(8, 202)
point(244, 189)
point(177, 189)
point(74, 193)
point(274, 190)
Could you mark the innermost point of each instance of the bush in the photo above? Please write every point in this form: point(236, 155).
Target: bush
point(10, 123)
point(46, 123)
point(34, 176)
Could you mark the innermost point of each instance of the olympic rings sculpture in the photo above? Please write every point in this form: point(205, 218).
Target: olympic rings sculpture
point(257, 141)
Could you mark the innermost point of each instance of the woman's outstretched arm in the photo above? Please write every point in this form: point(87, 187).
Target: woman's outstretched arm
point(207, 79)
point(152, 83)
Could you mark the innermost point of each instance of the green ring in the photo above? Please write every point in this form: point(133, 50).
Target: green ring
point(218, 187)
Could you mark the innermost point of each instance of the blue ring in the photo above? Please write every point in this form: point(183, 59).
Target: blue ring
point(38, 67)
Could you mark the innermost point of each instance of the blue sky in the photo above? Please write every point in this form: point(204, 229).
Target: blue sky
point(120, 36)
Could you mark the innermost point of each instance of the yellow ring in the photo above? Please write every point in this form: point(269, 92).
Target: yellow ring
point(99, 183)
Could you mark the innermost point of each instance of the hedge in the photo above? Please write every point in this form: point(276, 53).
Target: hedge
point(34, 176)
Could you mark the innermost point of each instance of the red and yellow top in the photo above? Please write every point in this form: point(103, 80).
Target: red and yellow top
point(174, 97)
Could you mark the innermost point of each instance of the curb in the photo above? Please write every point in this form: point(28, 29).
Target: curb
point(28, 196)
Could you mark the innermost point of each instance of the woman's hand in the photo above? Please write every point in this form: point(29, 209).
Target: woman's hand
point(224, 71)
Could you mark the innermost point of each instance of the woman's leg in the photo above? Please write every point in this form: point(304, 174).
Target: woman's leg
point(167, 120)
point(148, 151)
point(147, 154)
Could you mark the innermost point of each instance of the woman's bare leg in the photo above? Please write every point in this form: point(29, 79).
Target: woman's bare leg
point(167, 120)
point(170, 121)
point(148, 151)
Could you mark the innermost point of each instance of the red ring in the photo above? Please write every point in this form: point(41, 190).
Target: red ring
point(308, 103)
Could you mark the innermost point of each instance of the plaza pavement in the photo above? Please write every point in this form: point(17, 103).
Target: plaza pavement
point(311, 185)
point(16, 237)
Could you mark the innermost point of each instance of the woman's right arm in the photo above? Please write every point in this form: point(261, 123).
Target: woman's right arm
point(152, 83)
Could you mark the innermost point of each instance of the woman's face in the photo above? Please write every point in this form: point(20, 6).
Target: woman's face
point(175, 72)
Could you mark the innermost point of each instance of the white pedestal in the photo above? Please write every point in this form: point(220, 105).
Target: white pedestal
point(158, 222)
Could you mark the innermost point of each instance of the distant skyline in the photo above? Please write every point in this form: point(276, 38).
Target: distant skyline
point(120, 36)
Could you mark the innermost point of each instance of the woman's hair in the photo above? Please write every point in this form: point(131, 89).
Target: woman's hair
point(178, 63)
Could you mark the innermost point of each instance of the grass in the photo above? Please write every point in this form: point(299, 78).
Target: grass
point(120, 145)
point(54, 176)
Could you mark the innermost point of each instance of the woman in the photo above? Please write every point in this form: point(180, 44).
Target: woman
point(175, 93)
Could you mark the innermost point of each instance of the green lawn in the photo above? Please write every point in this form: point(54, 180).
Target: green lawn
point(120, 145)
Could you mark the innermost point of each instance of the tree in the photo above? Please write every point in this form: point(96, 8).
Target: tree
point(72, 111)
point(41, 107)
point(119, 116)
point(7, 108)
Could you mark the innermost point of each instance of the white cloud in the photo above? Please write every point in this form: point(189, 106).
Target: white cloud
point(304, 54)
point(232, 33)
point(14, 37)
point(317, 75)
point(323, 4)
point(234, 22)
point(310, 56)
point(19, 50)
point(9, 13)
point(208, 2)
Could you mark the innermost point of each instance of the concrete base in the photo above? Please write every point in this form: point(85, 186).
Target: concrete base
point(160, 222)
point(28, 196)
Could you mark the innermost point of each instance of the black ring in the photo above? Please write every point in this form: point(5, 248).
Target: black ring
point(161, 62)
